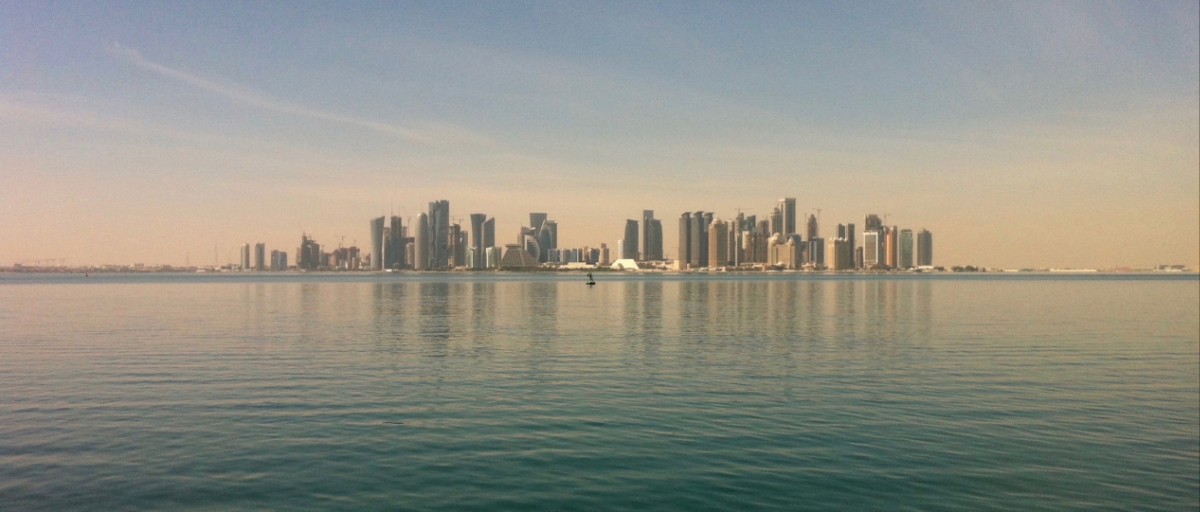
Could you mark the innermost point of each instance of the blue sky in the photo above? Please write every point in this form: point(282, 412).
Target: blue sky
point(1015, 131)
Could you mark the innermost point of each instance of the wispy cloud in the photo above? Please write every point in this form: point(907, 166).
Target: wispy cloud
point(436, 134)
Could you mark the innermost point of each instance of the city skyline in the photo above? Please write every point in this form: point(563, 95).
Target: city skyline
point(1015, 133)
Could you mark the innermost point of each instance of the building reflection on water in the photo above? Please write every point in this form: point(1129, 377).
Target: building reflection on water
point(438, 317)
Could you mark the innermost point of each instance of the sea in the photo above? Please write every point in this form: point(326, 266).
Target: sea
point(534, 391)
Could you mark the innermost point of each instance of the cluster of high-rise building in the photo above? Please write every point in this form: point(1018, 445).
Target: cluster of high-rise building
point(706, 241)
point(436, 241)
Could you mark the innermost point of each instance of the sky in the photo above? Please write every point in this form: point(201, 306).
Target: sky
point(1022, 134)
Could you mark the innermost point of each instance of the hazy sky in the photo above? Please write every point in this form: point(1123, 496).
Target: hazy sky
point(1021, 134)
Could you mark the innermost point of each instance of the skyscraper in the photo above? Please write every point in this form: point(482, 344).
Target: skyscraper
point(422, 243)
point(457, 246)
point(651, 236)
point(489, 234)
point(699, 241)
point(871, 223)
point(871, 249)
point(552, 227)
point(684, 258)
point(630, 249)
point(393, 250)
point(245, 263)
point(906, 248)
point(813, 229)
point(377, 243)
point(477, 220)
point(308, 255)
point(891, 246)
point(788, 206)
point(279, 260)
point(545, 240)
point(656, 241)
point(777, 220)
point(924, 248)
point(816, 251)
point(535, 222)
point(439, 234)
point(853, 244)
point(260, 256)
point(718, 244)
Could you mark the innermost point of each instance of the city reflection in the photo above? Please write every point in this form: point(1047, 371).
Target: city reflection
point(781, 315)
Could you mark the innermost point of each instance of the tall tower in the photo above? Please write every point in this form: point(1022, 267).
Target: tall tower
point(813, 229)
point(787, 205)
point(891, 246)
point(630, 249)
point(477, 220)
point(924, 248)
point(906, 248)
point(489, 234)
point(871, 249)
point(535, 222)
point(393, 252)
point(439, 234)
point(648, 240)
point(377, 243)
point(684, 257)
point(245, 263)
point(872, 222)
point(777, 220)
point(260, 256)
point(423, 243)
point(718, 244)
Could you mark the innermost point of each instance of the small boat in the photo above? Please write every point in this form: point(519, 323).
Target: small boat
point(591, 282)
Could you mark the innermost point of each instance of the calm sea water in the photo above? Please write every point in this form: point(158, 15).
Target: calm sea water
point(535, 392)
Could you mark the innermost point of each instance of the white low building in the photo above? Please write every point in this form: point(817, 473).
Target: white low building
point(625, 264)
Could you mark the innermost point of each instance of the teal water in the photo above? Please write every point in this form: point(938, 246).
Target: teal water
point(535, 392)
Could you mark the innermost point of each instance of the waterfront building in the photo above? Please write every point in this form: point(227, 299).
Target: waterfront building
point(685, 241)
point(787, 206)
point(547, 235)
point(605, 257)
point(491, 256)
point(838, 255)
point(377, 243)
point(530, 244)
point(652, 242)
point(871, 249)
point(279, 261)
point(476, 259)
point(393, 245)
point(816, 251)
point(460, 247)
point(872, 223)
point(891, 246)
point(260, 256)
point(489, 233)
point(718, 244)
point(906, 248)
point(439, 234)
point(924, 248)
point(698, 254)
point(245, 259)
point(777, 221)
point(630, 248)
point(813, 227)
point(516, 256)
point(308, 255)
point(536, 220)
point(853, 244)
point(423, 244)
